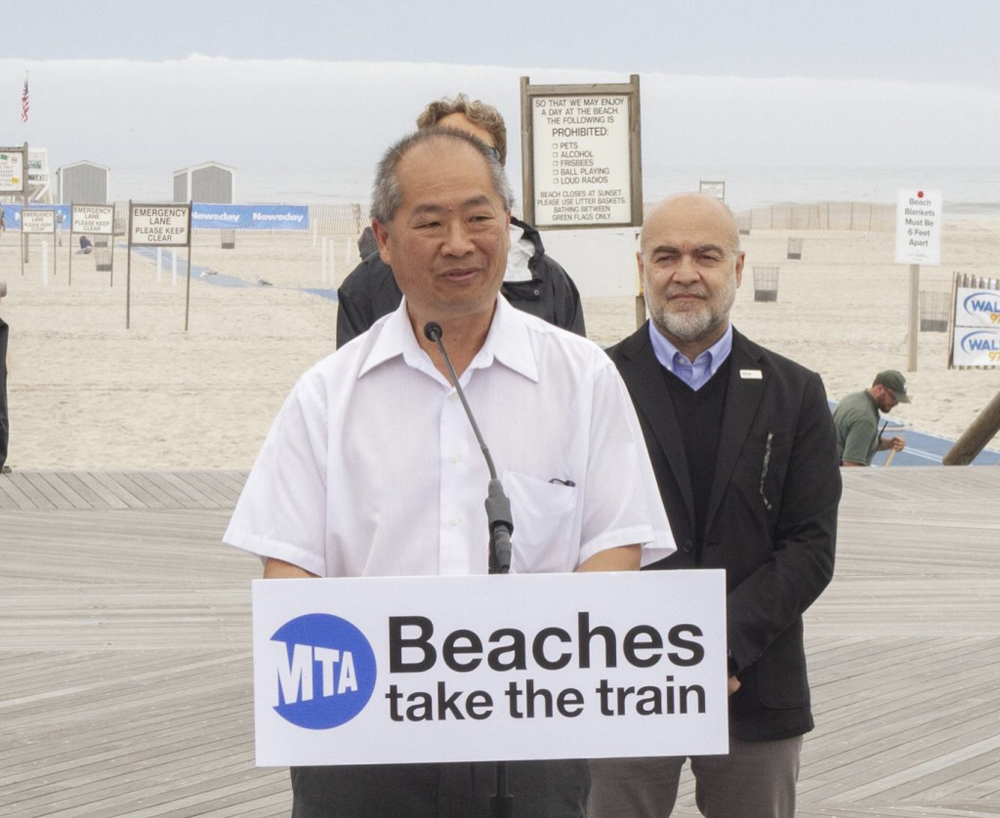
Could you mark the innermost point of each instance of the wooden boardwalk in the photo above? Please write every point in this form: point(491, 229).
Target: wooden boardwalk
point(125, 665)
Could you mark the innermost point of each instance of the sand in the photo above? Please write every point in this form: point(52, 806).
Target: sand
point(87, 393)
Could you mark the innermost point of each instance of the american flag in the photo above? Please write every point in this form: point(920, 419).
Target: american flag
point(24, 101)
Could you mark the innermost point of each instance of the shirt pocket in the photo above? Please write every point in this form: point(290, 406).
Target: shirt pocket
point(544, 522)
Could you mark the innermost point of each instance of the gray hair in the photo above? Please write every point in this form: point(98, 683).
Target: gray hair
point(386, 193)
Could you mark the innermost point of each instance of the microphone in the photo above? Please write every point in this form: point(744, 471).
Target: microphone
point(498, 514)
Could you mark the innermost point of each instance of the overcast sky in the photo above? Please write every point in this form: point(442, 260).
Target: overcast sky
point(767, 82)
point(953, 41)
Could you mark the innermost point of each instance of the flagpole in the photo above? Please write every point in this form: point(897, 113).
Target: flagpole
point(25, 245)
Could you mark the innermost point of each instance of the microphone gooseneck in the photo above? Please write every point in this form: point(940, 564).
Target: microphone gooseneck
point(498, 512)
point(501, 524)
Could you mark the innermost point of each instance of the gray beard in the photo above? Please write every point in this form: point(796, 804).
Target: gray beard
point(693, 325)
point(687, 326)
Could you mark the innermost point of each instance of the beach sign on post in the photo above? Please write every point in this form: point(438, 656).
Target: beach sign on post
point(95, 219)
point(582, 163)
point(38, 221)
point(158, 225)
point(581, 176)
point(717, 190)
point(918, 241)
point(12, 175)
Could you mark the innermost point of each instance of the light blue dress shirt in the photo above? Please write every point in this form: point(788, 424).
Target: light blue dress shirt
point(694, 373)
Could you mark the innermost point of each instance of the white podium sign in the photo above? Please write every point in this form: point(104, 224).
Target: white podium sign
point(918, 226)
point(480, 668)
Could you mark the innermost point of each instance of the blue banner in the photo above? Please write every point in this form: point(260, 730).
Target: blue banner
point(12, 215)
point(209, 216)
point(250, 217)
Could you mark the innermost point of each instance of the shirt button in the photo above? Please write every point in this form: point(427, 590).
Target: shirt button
point(454, 458)
point(688, 547)
point(454, 520)
point(453, 397)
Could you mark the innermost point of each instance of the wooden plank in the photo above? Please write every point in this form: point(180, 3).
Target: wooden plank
point(12, 496)
point(125, 674)
point(26, 486)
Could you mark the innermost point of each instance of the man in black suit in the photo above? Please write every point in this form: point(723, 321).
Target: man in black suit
point(745, 455)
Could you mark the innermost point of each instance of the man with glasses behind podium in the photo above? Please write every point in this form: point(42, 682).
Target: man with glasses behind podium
point(372, 469)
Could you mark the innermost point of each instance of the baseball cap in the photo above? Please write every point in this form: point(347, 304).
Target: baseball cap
point(894, 380)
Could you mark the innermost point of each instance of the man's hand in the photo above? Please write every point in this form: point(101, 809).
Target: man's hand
point(278, 569)
point(897, 444)
point(622, 558)
point(733, 685)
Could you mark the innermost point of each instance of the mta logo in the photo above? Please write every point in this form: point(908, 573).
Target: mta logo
point(325, 669)
point(980, 341)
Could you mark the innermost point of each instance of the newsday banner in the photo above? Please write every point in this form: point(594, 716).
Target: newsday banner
point(12, 214)
point(250, 217)
point(479, 668)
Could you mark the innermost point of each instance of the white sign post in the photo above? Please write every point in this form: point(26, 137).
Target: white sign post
point(480, 668)
point(918, 241)
point(159, 225)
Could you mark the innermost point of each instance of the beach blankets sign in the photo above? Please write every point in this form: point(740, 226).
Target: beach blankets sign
point(918, 226)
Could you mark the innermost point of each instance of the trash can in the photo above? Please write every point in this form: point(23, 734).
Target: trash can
point(934, 311)
point(795, 249)
point(228, 239)
point(765, 282)
point(102, 258)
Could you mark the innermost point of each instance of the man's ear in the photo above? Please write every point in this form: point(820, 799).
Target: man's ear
point(382, 237)
point(739, 267)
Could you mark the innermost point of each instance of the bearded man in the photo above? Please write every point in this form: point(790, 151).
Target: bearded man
point(743, 446)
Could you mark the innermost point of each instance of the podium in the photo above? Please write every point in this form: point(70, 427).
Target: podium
point(473, 668)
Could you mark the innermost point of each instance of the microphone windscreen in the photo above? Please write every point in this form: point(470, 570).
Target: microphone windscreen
point(432, 331)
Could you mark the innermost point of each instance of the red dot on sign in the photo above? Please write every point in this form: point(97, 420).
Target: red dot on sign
point(920, 194)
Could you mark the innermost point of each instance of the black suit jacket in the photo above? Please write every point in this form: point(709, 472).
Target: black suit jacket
point(772, 516)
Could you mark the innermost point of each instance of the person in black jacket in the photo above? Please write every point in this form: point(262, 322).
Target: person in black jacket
point(745, 455)
point(533, 281)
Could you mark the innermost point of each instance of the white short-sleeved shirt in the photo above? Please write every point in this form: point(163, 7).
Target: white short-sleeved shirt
point(372, 468)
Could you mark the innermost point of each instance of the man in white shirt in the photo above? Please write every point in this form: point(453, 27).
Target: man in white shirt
point(372, 468)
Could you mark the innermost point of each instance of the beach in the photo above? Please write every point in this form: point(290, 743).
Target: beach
point(87, 393)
